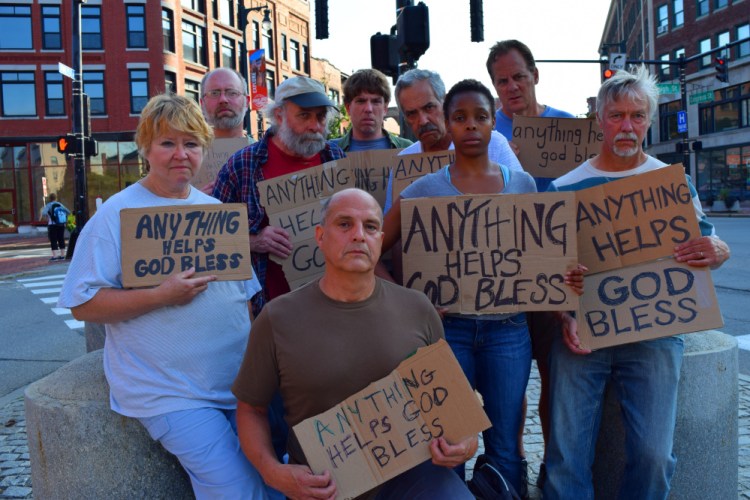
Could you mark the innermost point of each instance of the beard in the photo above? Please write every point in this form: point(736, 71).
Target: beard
point(626, 152)
point(227, 122)
point(304, 145)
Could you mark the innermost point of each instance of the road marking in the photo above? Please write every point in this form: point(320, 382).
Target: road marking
point(61, 311)
point(74, 324)
point(46, 291)
point(744, 342)
point(43, 283)
point(49, 300)
point(41, 278)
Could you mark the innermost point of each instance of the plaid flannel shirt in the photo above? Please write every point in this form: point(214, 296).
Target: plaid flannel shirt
point(237, 182)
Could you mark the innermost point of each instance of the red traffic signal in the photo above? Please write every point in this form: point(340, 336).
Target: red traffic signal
point(722, 70)
point(608, 73)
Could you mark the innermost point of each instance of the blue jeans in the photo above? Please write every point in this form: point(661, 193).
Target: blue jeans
point(496, 358)
point(644, 377)
point(425, 482)
point(205, 442)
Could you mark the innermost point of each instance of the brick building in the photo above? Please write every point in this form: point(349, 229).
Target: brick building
point(718, 113)
point(132, 49)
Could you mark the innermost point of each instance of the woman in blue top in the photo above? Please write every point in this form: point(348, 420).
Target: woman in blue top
point(494, 350)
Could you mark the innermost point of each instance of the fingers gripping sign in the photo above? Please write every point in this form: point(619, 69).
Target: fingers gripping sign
point(273, 240)
point(181, 288)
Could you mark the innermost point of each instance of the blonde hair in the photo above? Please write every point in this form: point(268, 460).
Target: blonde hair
point(165, 112)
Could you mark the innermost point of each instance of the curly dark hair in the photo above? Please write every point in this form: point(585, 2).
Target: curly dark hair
point(468, 85)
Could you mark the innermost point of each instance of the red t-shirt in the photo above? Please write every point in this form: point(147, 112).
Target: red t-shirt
point(280, 163)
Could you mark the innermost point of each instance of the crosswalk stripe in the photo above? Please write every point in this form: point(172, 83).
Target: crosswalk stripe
point(49, 300)
point(61, 311)
point(41, 278)
point(744, 342)
point(74, 324)
point(45, 291)
point(43, 283)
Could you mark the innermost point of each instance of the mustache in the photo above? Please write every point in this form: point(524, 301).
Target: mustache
point(427, 127)
point(626, 136)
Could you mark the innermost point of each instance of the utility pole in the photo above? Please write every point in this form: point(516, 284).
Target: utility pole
point(80, 206)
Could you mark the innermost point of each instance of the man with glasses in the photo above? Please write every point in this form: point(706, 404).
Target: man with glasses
point(224, 101)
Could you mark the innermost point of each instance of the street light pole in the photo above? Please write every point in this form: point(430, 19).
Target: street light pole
point(242, 18)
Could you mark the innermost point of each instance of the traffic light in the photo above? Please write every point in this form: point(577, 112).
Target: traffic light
point(608, 73)
point(722, 69)
point(384, 54)
point(67, 144)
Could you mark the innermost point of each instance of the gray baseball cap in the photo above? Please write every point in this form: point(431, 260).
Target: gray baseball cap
point(304, 92)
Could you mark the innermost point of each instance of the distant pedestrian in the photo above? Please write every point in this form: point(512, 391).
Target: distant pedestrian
point(56, 215)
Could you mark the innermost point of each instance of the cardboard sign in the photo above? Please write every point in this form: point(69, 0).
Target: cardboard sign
point(160, 241)
point(634, 219)
point(481, 254)
point(646, 301)
point(409, 168)
point(551, 147)
point(294, 202)
point(216, 156)
point(386, 429)
point(372, 169)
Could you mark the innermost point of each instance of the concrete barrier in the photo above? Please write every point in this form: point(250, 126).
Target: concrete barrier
point(705, 442)
point(80, 449)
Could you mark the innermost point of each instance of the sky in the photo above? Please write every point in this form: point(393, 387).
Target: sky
point(552, 29)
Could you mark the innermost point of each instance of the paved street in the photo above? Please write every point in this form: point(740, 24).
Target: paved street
point(38, 338)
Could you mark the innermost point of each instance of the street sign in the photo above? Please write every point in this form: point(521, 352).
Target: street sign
point(668, 88)
point(617, 60)
point(682, 122)
point(66, 71)
point(699, 97)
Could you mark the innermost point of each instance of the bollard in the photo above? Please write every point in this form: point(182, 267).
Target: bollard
point(80, 449)
point(706, 433)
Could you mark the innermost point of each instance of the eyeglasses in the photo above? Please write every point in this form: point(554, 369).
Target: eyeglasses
point(229, 93)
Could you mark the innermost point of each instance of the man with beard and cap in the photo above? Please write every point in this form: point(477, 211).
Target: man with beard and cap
point(296, 139)
point(224, 101)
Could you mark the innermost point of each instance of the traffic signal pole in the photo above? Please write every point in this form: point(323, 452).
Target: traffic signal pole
point(80, 206)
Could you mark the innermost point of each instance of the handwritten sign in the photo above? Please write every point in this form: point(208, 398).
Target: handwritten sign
point(551, 147)
point(294, 202)
point(409, 168)
point(371, 170)
point(160, 241)
point(216, 156)
point(484, 254)
point(646, 301)
point(386, 429)
point(634, 219)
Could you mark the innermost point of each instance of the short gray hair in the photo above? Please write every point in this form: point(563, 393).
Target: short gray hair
point(243, 82)
point(417, 75)
point(636, 84)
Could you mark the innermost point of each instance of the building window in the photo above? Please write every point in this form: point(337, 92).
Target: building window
point(228, 53)
point(663, 16)
point(720, 4)
point(305, 59)
point(217, 50)
point(167, 29)
point(138, 90)
point(678, 16)
point(256, 35)
point(703, 47)
point(728, 111)
point(226, 14)
point(15, 27)
point(91, 28)
point(18, 94)
point(197, 5)
point(333, 95)
point(193, 47)
point(284, 48)
point(271, 83)
point(136, 15)
point(701, 8)
point(668, 120)
point(215, 9)
point(170, 82)
point(294, 52)
point(743, 49)
point(93, 85)
point(54, 94)
point(664, 69)
point(268, 43)
point(721, 40)
point(51, 34)
point(192, 90)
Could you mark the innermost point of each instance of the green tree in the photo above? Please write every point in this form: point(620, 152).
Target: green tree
point(335, 130)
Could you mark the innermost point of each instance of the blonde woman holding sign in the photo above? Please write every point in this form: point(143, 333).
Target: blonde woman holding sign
point(171, 351)
point(494, 350)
